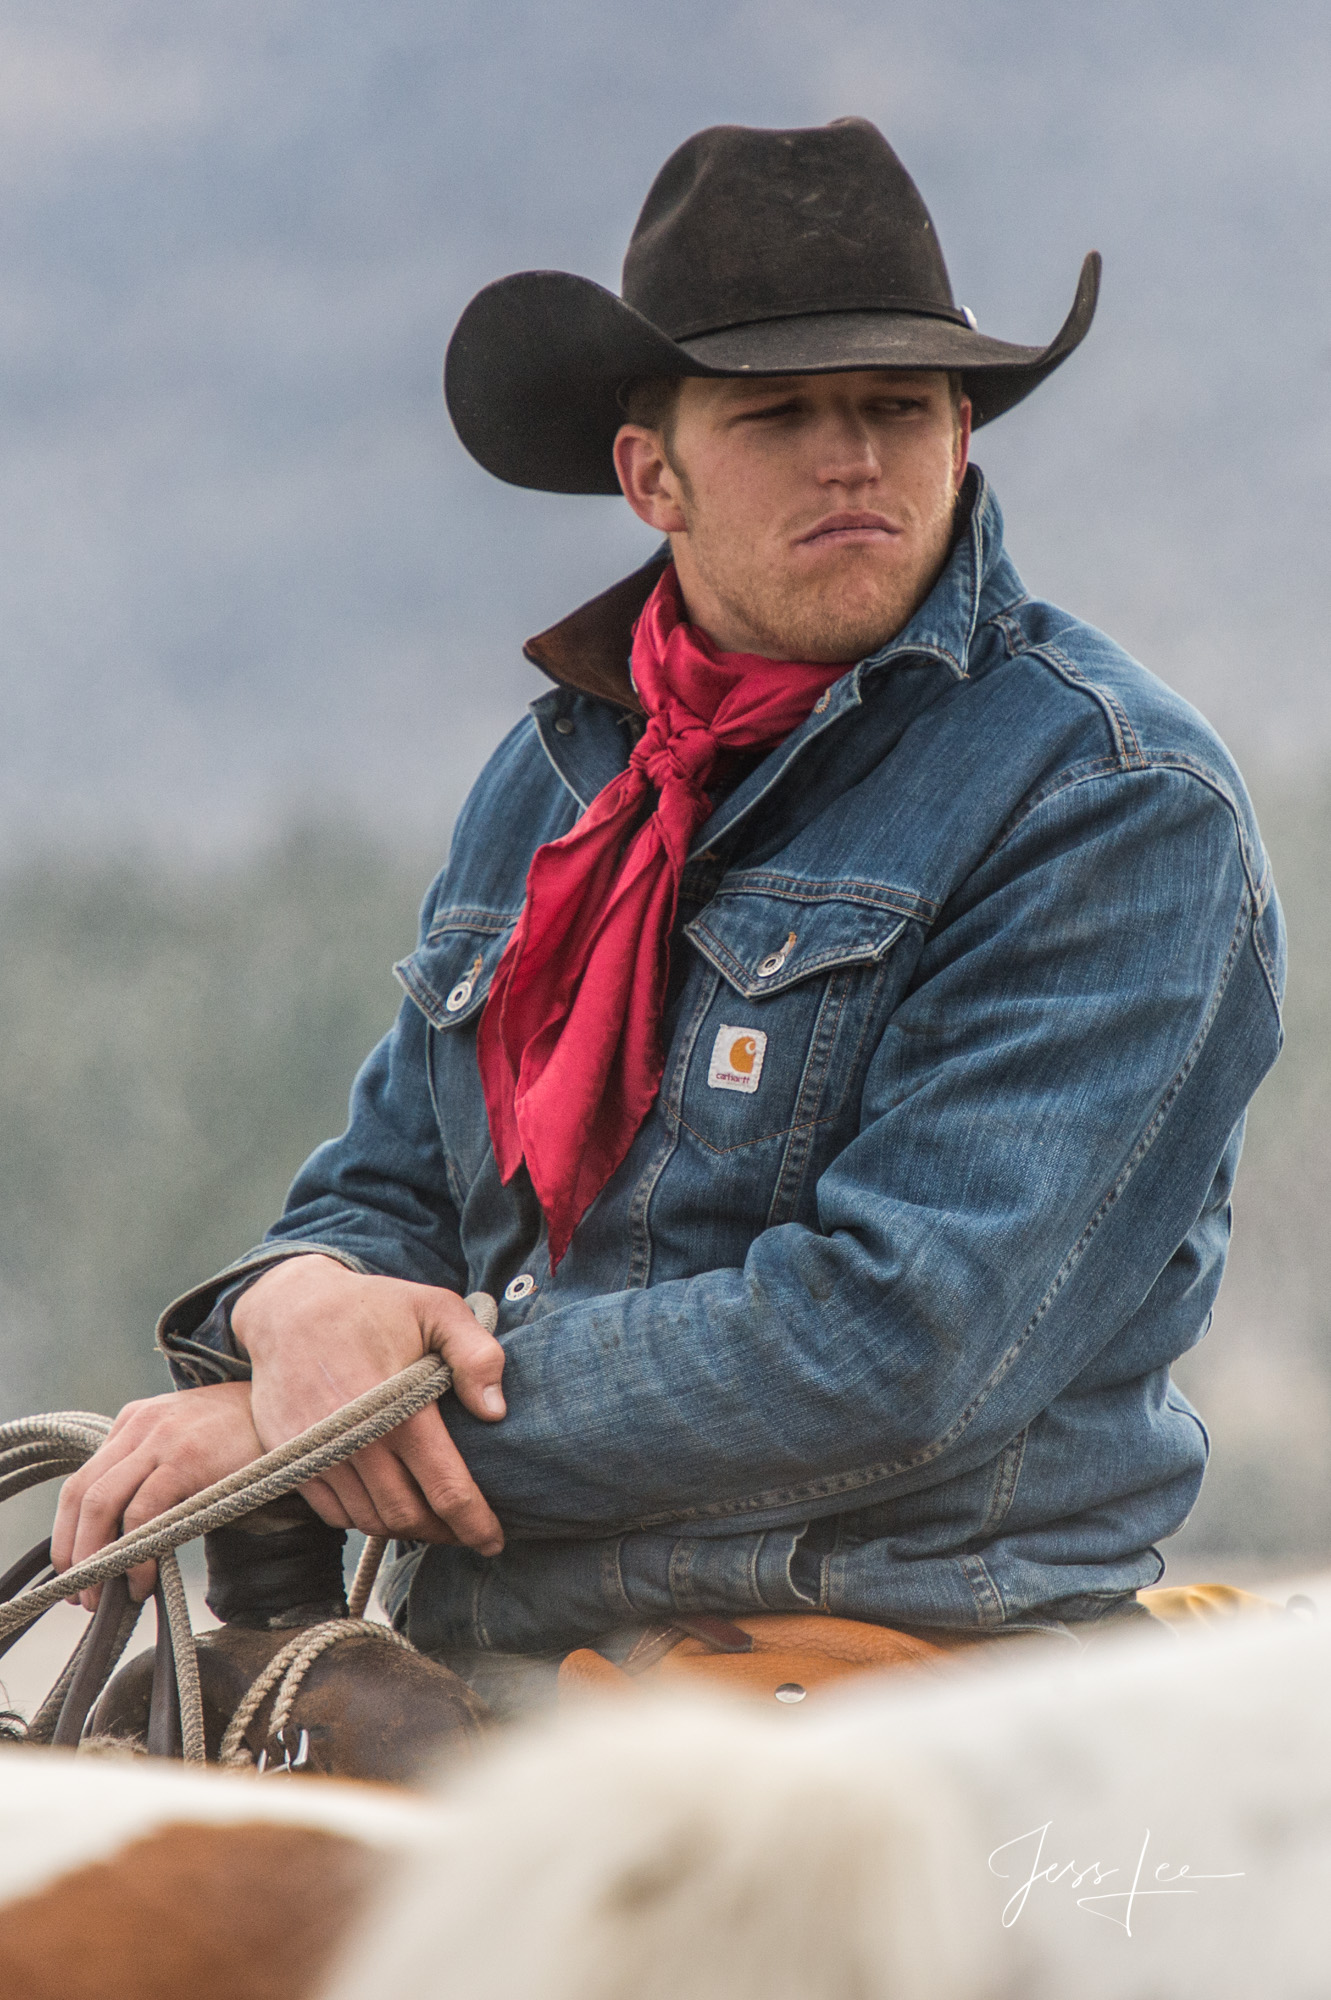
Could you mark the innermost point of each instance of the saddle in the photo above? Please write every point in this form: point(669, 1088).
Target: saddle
point(783, 1657)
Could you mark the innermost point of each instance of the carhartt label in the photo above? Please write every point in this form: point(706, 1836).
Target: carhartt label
point(737, 1059)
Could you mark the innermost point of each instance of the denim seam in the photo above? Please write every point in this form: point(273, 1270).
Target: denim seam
point(456, 1191)
point(813, 1082)
point(834, 959)
point(1006, 1476)
point(762, 1139)
point(670, 1102)
point(611, 1568)
point(988, 1598)
point(555, 766)
point(838, 889)
point(834, 1485)
point(1085, 773)
point(471, 917)
point(1257, 871)
point(1258, 879)
point(1120, 728)
point(1268, 970)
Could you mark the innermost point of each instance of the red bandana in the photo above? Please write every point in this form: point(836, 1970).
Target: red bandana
point(570, 1040)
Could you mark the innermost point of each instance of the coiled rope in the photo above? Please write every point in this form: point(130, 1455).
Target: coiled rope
point(33, 1449)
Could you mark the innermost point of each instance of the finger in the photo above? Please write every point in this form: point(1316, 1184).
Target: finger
point(475, 1356)
point(142, 1581)
point(160, 1490)
point(108, 1509)
point(326, 1503)
point(440, 1471)
point(349, 1490)
point(72, 1494)
point(394, 1494)
point(105, 1501)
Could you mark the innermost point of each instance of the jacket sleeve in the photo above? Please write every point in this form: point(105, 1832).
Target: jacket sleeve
point(1041, 1125)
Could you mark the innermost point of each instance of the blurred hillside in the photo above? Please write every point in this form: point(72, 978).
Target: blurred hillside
point(173, 1044)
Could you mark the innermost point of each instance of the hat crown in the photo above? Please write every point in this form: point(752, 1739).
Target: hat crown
point(743, 224)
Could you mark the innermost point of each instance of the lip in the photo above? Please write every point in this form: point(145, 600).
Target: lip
point(848, 528)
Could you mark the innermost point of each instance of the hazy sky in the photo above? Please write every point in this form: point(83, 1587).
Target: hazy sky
point(246, 568)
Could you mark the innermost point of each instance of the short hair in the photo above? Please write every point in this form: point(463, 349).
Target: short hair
point(652, 402)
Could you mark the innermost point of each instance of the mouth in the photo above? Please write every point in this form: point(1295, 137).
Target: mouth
point(849, 530)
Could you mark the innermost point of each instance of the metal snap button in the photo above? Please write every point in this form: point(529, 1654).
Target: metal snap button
point(791, 1691)
point(464, 989)
point(776, 959)
point(519, 1288)
point(564, 726)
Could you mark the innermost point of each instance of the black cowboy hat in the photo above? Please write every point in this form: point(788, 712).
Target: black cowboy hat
point(756, 253)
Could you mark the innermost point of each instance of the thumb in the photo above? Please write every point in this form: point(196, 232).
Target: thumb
point(460, 1331)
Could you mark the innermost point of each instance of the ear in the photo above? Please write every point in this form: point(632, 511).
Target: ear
point(961, 447)
point(649, 482)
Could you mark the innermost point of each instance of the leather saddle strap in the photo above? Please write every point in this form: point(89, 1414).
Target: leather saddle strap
point(165, 1738)
point(35, 1566)
point(719, 1635)
point(95, 1657)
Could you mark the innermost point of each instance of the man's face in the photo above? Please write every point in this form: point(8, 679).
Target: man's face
point(809, 514)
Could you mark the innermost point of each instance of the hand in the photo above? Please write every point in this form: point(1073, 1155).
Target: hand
point(159, 1451)
point(319, 1335)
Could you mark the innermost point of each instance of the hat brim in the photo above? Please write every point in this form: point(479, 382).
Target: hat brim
point(537, 360)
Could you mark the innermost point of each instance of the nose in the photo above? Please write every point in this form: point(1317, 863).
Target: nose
point(846, 452)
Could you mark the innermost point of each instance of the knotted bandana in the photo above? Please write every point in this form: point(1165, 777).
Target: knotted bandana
point(570, 1040)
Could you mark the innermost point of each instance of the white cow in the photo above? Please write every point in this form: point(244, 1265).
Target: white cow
point(1149, 1822)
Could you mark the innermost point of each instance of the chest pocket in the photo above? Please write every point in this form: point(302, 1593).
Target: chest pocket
point(790, 1020)
point(449, 975)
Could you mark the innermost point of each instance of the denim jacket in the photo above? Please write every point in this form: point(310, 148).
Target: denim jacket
point(881, 1325)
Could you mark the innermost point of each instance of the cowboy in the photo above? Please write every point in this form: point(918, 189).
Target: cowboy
point(828, 1041)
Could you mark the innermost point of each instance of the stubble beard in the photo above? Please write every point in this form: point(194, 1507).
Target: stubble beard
point(852, 609)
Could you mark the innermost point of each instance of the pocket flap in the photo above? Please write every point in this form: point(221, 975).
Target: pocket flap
point(763, 943)
point(449, 975)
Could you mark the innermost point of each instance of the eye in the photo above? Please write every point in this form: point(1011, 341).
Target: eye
point(766, 411)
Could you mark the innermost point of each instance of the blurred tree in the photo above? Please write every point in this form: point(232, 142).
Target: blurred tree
point(171, 1047)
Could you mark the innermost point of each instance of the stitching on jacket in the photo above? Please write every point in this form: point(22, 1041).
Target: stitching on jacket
point(452, 1173)
point(840, 889)
point(1256, 867)
point(471, 917)
point(670, 1101)
point(833, 959)
point(1267, 964)
point(611, 1569)
point(834, 1486)
point(808, 1099)
point(562, 776)
point(1007, 1473)
point(1121, 729)
point(988, 1598)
